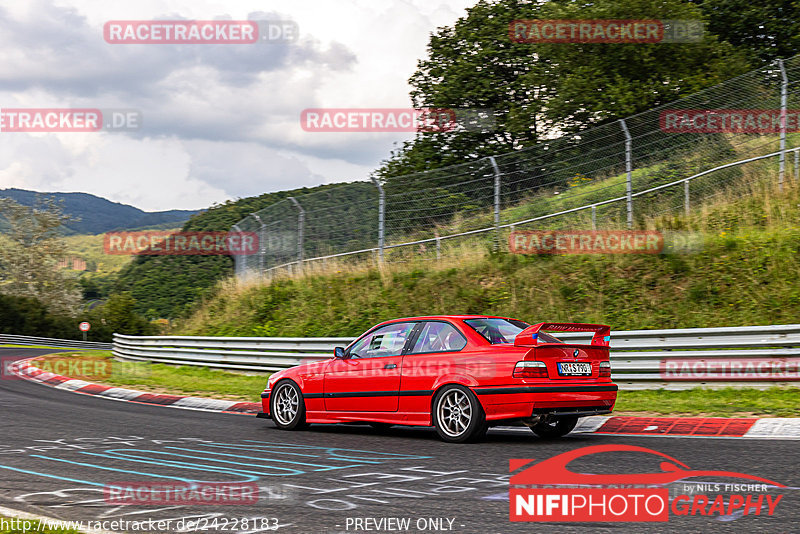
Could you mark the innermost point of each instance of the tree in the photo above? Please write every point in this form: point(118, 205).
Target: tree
point(542, 90)
point(765, 30)
point(118, 315)
point(26, 316)
point(30, 252)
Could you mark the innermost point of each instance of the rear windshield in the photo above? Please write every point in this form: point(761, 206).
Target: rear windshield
point(498, 331)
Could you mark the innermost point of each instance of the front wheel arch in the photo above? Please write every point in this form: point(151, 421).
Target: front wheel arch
point(296, 422)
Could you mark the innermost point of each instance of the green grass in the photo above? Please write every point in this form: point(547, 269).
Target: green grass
point(728, 402)
point(745, 274)
point(748, 278)
point(162, 378)
point(10, 525)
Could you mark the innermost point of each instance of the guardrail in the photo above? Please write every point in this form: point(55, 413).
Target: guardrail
point(8, 339)
point(748, 356)
point(238, 353)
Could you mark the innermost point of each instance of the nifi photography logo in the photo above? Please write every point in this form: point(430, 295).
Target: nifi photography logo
point(547, 491)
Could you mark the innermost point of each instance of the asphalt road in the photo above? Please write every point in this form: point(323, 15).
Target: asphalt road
point(59, 449)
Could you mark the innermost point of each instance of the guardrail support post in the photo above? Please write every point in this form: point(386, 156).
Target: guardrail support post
point(381, 217)
point(594, 217)
point(784, 97)
point(496, 203)
point(628, 171)
point(301, 223)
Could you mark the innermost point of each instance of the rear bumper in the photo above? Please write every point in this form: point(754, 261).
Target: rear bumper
point(524, 401)
point(548, 389)
point(578, 411)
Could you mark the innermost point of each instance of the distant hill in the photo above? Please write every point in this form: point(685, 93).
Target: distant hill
point(98, 214)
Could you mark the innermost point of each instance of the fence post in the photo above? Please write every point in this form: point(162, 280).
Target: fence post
point(628, 166)
point(686, 197)
point(496, 203)
point(796, 165)
point(260, 243)
point(238, 261)
point(301, 223)
point(784, 96)
point(381, 217)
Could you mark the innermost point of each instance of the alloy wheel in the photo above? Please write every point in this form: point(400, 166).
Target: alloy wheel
point(286, 404)
point(454, 413)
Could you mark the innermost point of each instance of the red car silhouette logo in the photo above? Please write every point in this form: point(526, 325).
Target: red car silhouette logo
point(554, 470)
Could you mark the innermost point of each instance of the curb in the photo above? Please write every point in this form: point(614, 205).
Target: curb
point(24, 370)
point(693, 427)
point(685, 427)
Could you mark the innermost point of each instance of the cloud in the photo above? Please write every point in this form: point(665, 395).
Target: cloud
point(115, 167)
point(55, 48)
point(219, 121)
point(248, 169)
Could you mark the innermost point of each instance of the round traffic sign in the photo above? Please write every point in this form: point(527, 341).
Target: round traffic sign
point(84, 326)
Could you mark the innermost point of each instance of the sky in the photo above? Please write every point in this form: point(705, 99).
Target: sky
point(218, 122)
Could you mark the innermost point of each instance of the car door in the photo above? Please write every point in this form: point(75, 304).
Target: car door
point(432, 354)
point(367, 379)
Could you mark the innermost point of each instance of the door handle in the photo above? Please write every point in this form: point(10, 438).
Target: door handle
point(390, 366)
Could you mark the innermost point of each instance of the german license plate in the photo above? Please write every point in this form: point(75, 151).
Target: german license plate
point(574, 369)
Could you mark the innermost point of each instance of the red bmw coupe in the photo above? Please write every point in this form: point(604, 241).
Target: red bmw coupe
point(460, 374)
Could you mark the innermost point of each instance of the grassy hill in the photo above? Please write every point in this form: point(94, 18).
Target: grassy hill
point(98, 214)
point(745, 274)
point(342, 217)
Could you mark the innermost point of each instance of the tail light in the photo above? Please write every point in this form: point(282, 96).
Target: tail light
point(605, 370)
point(530, 370)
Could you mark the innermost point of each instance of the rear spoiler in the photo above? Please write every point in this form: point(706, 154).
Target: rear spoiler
point(530, 336)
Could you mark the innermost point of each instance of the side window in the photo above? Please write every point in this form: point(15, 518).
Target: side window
point(439, 337)
point(385, 341)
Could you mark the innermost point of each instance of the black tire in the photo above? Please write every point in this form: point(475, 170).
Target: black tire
point(290, 414)
point(381, 427)
point(458, 415)
point(556, 427)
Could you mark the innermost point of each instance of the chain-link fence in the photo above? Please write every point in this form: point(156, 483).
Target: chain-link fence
point(621, 174)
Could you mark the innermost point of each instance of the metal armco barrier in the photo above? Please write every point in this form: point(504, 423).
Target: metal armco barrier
point(239, 353)
point(748, 356)
point(8, 339)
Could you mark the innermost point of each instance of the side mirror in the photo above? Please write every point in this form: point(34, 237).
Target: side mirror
point(338, 352)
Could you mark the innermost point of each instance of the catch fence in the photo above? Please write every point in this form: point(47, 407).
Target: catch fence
point(619, 175)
